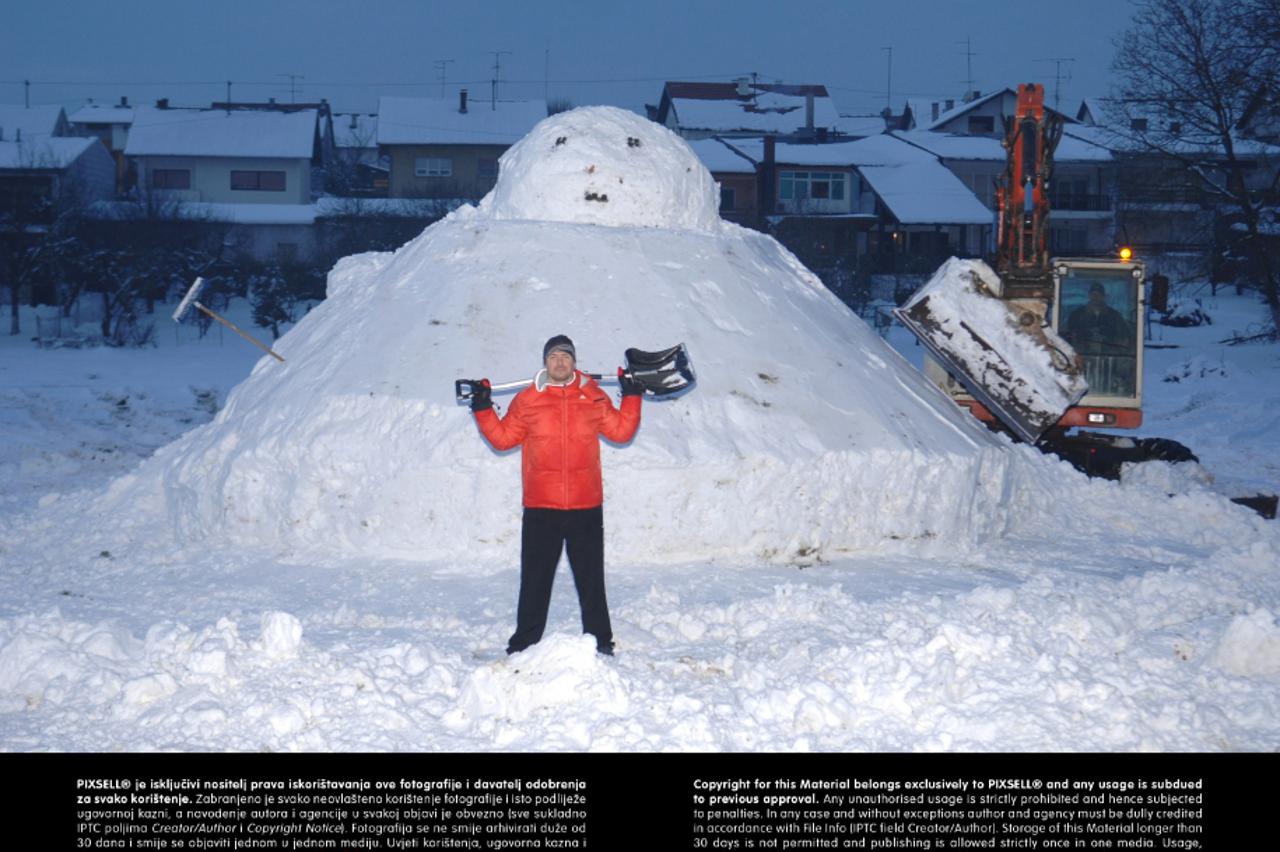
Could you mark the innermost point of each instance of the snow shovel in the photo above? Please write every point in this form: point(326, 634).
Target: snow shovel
point(662, 373)
point(190, 299)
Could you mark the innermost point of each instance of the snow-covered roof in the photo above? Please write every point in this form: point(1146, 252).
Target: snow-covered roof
point(437, 121)
point(770, 108)
point(722, 158)
point(364, 133)
point(956, 146)
point(1091, 111)
point(833, 154)
point(914, 185)
point(102, 114)
point(861, 125)
point(55, 152)
point(959, 110)
point(222, 133)
point(32, 121)
point(1134, 142)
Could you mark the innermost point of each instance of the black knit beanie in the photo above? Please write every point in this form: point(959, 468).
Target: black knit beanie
point(559, 343)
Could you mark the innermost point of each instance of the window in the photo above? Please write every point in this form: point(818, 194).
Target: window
point(982, 124)
point(827, 186)
point(170, 178)
point(1098, 316)
point(487, 167)
point(433, 167)
point(1139, 124)
point(262, 181)
point(728, 198)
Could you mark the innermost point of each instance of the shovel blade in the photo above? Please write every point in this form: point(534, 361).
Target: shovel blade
point(663, 373)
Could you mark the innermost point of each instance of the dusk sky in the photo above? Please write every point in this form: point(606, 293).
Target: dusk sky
point(586, 52)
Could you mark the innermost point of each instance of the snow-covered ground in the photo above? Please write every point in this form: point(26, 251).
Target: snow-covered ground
point(803, 555)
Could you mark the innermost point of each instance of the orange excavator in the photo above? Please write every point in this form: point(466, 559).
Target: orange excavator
point(1067, 349)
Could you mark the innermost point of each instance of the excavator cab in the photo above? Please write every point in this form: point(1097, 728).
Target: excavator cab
point(1098, 307)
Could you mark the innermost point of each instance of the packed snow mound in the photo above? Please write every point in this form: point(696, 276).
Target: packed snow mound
point(805, 436)
point(604, 166)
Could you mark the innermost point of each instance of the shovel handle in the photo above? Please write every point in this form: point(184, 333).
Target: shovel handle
point(236, 329)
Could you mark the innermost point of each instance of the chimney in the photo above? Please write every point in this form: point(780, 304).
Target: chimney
point(462, 100)
point(124, 100)
point(163, 103)
point(951, 104)
point(353, 121)
point(934, 112)
point(808, 113)
point(744, 91)
point(768, 188)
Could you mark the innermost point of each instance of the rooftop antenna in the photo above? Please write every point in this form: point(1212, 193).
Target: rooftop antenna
point(441, 66)
point(968, 66)
point(1058, 76)
point(497, 75)
point(293, 85)
point(888, 85)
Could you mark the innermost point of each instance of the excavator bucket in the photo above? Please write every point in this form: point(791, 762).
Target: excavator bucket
point(1022, 371)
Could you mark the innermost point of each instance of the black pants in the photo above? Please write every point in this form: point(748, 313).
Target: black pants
point(545, 533)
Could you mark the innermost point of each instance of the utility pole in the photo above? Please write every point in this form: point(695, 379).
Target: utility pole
point(1058, 77)
point(888, 85)
point(441, 66)
point(293, 85)
point(26, 86)
point(497, 75)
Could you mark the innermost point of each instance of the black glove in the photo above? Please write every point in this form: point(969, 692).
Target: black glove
point(630, 386)
point(481, 396)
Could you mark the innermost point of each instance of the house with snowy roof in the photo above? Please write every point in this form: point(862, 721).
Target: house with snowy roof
point(878, 198)
point(41, 163)
point(227, 156)
point(256, 171)
point(1081, 195)
point(735, 174)
point(1165, 169)
point(32, 122)
point(110, 123)
point(39, 173)
point(357, 168)
point(975, 115)
point(446, 148)
point(745, 109)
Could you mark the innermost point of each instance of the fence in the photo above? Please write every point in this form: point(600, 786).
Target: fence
point(54, 330)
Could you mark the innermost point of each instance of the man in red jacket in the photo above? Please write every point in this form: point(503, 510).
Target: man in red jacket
point(557, 422)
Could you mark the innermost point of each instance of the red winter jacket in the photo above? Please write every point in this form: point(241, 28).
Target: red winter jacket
point(557, 430)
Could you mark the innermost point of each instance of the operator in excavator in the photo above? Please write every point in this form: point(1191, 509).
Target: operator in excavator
point(1096, 328)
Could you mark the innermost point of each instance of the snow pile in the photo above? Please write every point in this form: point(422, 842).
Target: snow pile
point(817, 434)
point(1251, 645)
point(1166, 477)
point(1125, 646)
point(563, 674)
point(604, 166)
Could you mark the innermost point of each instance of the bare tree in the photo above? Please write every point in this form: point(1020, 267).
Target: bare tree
point(1190, 69)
